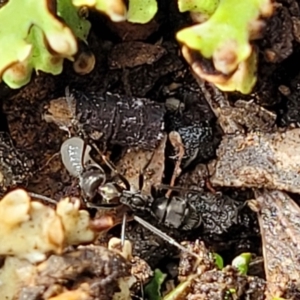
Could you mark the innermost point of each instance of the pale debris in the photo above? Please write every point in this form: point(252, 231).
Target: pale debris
point(79, 294)
point(30, 230)
point(59, 112)
point(176, 141)
point(140, 270)
point(76, 222)
point(279, 222)
point(259, 160)
point(85, 273)
point(10, 276)
point(151, 164)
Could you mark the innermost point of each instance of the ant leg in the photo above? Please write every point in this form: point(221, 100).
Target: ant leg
point(141, 181)
point(112, 167)
point(142, 291)
point(163, 235)
point(70, 188)
point(46, 164)
point(176, 142)
point(123, 179)
point(106, 160)
point(142, 172)
point(123, 229)
point(48, 161)
point(208, 183)
point(209, 186)
point(43, 198)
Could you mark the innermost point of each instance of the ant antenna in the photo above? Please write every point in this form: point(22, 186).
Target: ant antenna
point(141, 180)
point(142, 291)
point(112, 166)
point(107, 161)
point(48, 161)
point(163, 235)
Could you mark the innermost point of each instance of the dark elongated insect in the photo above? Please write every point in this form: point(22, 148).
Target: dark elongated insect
point(119, 120)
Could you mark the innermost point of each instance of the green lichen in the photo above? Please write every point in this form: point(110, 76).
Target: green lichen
point(36, 39)
point(70, 15)
point(206, 7)
point(225, 37)
point(141, 11)
point(115, 9)
point(40, 60)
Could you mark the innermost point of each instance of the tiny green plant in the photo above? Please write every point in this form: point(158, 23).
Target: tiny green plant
point(218, 260)
point(153, 288)
point(241, 262)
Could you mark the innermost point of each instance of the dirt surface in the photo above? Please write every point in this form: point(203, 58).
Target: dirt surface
point(159, 126)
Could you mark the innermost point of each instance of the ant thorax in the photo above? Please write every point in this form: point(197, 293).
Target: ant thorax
point(137, 201)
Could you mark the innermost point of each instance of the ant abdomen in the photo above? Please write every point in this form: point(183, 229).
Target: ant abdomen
point(176, 212)
point(72, 155)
